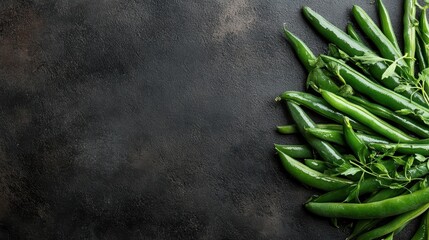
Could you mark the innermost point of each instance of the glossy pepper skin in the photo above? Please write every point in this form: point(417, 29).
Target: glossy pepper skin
point(355, 48)
point(320, 78)
point(353, 34)
point(407, 123)
point(380, 209)
point(414, 148)
point(421, 54)
point(423, 40)
point(307, 58)
point(311, 177)
point(303, 52)
point(326, 151)
point(409, 32)
point(366, 224)
point(318, 105)
point(386, 24)
point(317, 165)
point(295, 151)
point(367, 186)
point(424, 27)
point(337, 136)
point(334, 34)
point(365, 117)
point(424, 35)
point(290, 129)
point(395, 224)
point(384, 45)
point(356, 144)
point(379, 94)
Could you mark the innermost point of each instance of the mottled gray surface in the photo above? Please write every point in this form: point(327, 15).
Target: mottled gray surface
point(151, 119)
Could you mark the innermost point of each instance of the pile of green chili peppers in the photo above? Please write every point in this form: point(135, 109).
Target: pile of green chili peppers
point(369, 159)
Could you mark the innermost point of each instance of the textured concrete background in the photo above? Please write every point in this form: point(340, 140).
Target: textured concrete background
point(152, 119)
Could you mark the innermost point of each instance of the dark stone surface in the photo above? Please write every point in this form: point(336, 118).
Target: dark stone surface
point(152, 119)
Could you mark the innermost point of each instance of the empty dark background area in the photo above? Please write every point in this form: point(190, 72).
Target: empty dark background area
point(152, 119)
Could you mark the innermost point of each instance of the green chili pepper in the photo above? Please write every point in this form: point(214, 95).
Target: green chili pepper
point(336, 136)
point(395, 224)
point(326, 151)
point(352, 32)
point(366, 224)
point(424, 27)
point(290, 129)
point(380, 209)
point(385, 194)
point(318, 105)
point(409, 32)
point(423, 37)
point(403, 121)
point(327, 135)
point(365, 117)
point(356, 144)
point(287, 129)
point(421, 54)
point(307, 58)
point(320, 78)
point(311, 177)
point(296, 151)
point(334, 34)
point(370, 185)
point(404, 148)
point(350, 83)
point(379, 94)
point(367, 186)
point(384, 45)
point(316, 165)
point(421, 141)
point(423, 41)
point(354, 48)
point(363, 225)
point(303, 52)
point(386, 24)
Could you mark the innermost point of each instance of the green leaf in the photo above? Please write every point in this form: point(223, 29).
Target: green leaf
point(402, 88)
point(380, 167)
point(420, 157)
point(369, 58)
point(343, 55)
point(424, 75)
point(354, 193)
point(410, 161)
point(389, 71)
point(351, 171)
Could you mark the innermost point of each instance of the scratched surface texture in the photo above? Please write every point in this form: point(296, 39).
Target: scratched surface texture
point(145, 119)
